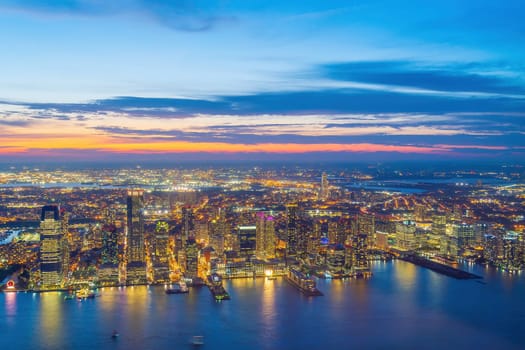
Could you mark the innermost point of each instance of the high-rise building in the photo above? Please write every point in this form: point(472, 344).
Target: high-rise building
point(292, 229)
point(265, 233)
point(110, 244)
point(366, 226)
point(358, 255)
point(406, 235)
point(135, 253)
point(161, 252)
point(52, 246)
point(108, 272)
point(325, 191)
point(247, 241)
point(188, 224)
point(192, 259)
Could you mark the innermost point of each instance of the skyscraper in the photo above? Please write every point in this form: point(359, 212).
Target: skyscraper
point(161, 252)
point(108, 273)
point(265, 232)
point(324, 192)
point(292, 229)
point(51, 248)
point(135, 253)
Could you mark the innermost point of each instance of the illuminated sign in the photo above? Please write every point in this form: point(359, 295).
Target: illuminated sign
point(10, 284)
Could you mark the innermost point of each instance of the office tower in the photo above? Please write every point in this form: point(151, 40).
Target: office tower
point(188, 225)
point(292, 229)
point(463, 235)
point(406, 235)
point(135, 253)
point(110, 244)
point(366, 225)
point(358, 255)
point(66, 238)
point(265, 233)
point(218, 228)
point(108, 272)
point(192, 259)
point(335, 260)
point(513, 254)
point(324, 192)
point(420, 213)
point(161, 252)
point(51, 248)
point(247, 241)
point(439, 230)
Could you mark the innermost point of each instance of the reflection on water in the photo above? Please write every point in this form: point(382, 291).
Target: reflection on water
point(50, 325)
point(405, 275)
point(410, 307)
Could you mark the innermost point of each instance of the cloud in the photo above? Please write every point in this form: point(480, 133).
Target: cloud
point(183, 15)
point(451, 78)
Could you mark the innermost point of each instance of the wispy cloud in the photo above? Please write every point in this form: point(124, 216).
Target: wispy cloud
point(193, 16)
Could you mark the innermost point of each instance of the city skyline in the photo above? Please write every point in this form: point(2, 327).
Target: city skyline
point(84, 80)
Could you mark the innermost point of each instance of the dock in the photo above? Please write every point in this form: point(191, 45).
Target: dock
point(439, 267)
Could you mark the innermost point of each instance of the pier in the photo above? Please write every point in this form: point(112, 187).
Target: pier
point(439, 267)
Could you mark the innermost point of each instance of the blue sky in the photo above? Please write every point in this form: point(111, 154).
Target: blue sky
point(441, 77)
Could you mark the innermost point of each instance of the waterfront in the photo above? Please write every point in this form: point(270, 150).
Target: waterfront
point(402, 307)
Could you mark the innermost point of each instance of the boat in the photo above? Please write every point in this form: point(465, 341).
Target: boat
point(115, 334)
point(216, 287)
point(197, 340)
point(85, 294)
point(302, 282)
point(178, 288)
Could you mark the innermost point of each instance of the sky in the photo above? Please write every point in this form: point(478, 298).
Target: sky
point(262, 80)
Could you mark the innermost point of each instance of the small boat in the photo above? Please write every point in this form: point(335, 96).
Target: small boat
point(115, 334)
point(85, 294)
point(178, 288)
point(197, 340)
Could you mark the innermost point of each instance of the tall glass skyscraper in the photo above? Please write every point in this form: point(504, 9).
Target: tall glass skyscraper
point(135, 251)
point(51, 248)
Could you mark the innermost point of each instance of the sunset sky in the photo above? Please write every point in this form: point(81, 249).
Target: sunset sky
point(327, 80)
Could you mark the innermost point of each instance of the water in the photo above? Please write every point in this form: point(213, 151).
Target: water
point(402, 307)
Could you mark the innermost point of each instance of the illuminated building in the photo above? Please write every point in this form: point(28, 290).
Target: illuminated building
point(136, 262)
point(161, 252)
point(366, 225)
point(406, 235)
point(325, 191)
point(217, 231)
point(513, 253)
point(188, 225)
point(52, 246)
point(247, 240)
point(292, 229)
point(108, 272)
point(265, 233)
point(438, 231)
point(463, 235)
point(335, 260)
point(420, 213)
point(109, 244)
point(192, 259)
point(357, 255)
